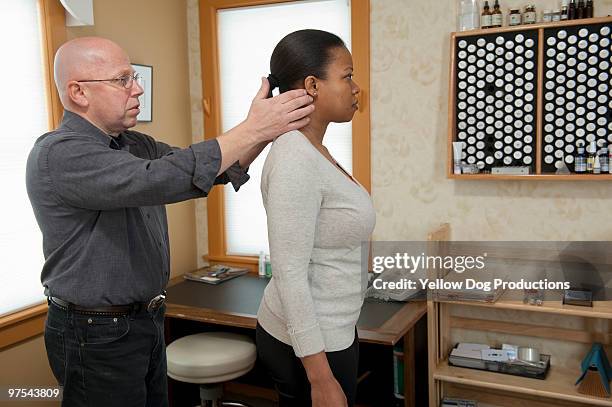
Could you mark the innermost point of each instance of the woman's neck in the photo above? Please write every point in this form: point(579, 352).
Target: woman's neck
point(315, 131)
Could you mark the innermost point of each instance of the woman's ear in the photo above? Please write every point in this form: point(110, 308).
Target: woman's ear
point(310, 84)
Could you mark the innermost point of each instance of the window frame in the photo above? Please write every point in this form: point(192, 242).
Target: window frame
point(360, 39)
point(23, 324)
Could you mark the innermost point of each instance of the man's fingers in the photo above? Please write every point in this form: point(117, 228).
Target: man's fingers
point(296, 125)
point(297, 103)
point(300, 113)
point(290, 95)
point(262, 93)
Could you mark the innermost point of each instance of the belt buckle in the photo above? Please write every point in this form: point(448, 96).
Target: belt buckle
point(156, 302)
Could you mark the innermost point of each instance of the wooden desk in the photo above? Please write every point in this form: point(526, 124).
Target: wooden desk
point(235, 303)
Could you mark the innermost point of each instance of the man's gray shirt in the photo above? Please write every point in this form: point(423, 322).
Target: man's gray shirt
point(99, 202)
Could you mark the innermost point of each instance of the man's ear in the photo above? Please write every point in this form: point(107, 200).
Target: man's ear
point(311, 85)
point(77, 94)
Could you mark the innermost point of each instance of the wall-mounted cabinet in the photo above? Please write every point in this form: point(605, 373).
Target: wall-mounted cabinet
point(527, 96)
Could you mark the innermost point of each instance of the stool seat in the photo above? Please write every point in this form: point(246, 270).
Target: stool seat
point(210, 357)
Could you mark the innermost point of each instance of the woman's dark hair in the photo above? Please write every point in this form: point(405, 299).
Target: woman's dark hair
point(300, 54)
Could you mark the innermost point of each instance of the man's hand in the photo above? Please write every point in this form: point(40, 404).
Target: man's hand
point(270, 117)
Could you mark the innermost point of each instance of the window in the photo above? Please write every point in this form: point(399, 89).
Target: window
point(244, 37)
point(28, 32)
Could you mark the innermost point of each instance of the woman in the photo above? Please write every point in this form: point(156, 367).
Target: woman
point(318, 216)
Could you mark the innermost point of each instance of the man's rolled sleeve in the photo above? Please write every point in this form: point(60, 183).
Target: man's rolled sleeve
point(234, 174)
point(208, 160)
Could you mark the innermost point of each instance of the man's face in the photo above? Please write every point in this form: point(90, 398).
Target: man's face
point(113, 107)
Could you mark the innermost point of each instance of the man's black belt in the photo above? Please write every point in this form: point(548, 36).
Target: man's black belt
point(136, 307)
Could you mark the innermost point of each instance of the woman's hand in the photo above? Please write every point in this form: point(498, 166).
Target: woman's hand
point(327, 393)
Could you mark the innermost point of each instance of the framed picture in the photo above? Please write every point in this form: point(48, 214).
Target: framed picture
point(146, 99)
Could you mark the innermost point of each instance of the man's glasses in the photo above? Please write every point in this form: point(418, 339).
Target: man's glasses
point(125, 81)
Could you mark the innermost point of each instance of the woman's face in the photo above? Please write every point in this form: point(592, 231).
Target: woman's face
point(336, 96)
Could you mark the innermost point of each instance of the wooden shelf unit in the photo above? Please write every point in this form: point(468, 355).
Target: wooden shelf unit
point(559, 384)
point(538, 175)
point(498, 389)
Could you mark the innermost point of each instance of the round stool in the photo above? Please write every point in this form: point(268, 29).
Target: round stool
point(209, 359)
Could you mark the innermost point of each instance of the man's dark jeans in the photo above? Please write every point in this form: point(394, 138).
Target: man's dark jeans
point(108, 360)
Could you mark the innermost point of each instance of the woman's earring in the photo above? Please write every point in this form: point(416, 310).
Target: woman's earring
point(314, 93)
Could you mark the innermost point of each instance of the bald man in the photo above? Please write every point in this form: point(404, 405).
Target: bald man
point(98, 192)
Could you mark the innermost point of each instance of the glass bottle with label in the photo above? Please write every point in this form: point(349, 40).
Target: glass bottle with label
point(588, 11)
point(580, 10)
point(497, 17)
point(529, 15)
point(546, 16)
point(556, 15)
point(514, 17)
point(571, 10)
point(485, 17)
point(590, 161)
point(564, 10)
point(603, 160)
point(580, 161)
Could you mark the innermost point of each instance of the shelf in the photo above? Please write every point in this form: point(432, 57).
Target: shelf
point(559, 383)
point(600, 309)
point(533, 177)
point(523, 27)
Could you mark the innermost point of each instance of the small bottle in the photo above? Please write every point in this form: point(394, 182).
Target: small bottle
point(546, 16)
point(603, 159)
point(609, 158)
point(588, 11)
point(261, 271)
point(564, 10)
point(556, 15)
point(597, 165)
point(468, 15)
point(591, 154)
point(497, 18)
point(571, 10)
point(580, 10)
point(514, 17)
point(580, 161)
point(529, 16)
point(268, 267)
point(485, 17)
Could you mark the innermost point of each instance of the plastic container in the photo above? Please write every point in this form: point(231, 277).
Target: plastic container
point(268, 267)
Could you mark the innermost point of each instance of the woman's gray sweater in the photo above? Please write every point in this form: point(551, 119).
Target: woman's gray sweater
point(318, 219)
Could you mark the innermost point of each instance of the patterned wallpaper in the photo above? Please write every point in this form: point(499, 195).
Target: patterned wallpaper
point(409, 104)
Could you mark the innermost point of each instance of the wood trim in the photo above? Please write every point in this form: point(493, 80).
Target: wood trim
point(534, 177)
point(536, 331)
point(53, 29)
point(522, 27)
point(360, 34)
point(212, 120)
point(409, 370)
point(360, 26)
point(539, 101)
point(249, 262)
point(451, 109)
point(22, 325)
point(27, 323)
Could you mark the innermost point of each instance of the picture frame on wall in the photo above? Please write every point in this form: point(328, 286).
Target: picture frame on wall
point(146, 99)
